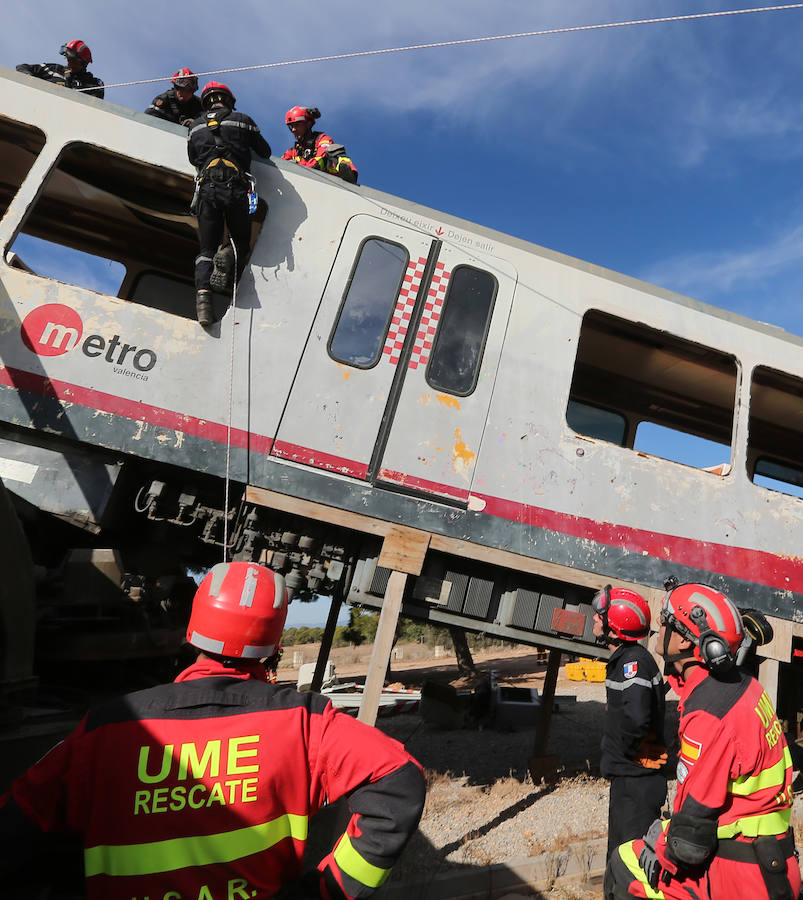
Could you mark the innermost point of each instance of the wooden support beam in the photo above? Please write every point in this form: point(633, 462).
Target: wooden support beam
point(383, 644)
point(541, 766)
point(404, 549)
point(326, 640)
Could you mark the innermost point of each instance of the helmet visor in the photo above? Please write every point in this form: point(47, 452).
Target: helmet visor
point(68, 52)
point(602, 601)
point(182, 82)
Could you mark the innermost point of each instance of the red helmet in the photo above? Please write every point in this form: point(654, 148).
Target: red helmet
point(77, 48)
point(708, 619)
point(215, 92)
point(238, 611)
point(184, 78)
point(306, 114)
point(625, 613)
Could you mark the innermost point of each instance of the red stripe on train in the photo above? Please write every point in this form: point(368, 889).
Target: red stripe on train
point(132, 409)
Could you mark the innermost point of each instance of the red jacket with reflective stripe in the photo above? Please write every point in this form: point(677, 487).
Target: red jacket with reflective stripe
point(734, 766)
point(209, 783)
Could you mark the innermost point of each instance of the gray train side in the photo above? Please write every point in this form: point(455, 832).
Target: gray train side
point(397, 390)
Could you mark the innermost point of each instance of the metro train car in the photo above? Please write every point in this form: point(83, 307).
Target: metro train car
point(395, 390)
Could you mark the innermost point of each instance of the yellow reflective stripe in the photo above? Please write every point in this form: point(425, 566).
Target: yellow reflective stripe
point(200, 850)
point(770, 778)
point(350, 862)
point(757, 826)
point(629, 858)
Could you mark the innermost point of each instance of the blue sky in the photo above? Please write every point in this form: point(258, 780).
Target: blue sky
point(668, 152)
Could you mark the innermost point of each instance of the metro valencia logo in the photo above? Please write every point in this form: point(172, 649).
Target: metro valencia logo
point(55, 329)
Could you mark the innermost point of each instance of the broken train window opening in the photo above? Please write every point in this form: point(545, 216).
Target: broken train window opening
point(116, 225)
point(369, 301)
point(676, 397)
point(20, 145)
point(775, 431)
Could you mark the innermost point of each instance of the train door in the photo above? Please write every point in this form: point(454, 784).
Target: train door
point(396, 378)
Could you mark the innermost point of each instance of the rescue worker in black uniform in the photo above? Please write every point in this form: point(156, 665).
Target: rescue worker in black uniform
point(179, 104)
point(74, 75)
point(219, 146)
point(633, 751)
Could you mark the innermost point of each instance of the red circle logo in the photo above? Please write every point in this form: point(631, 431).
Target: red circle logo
point(52, 329)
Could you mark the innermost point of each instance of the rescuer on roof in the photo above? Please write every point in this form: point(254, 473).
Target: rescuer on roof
point(633, 751)
point(179, 104)
point(314, 149)
point(204, 787)
point(74, 75)
point(219, 146)
point(729, 835)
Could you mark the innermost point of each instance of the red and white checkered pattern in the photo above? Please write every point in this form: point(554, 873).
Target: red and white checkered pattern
point(429, 318)
point(404, 309)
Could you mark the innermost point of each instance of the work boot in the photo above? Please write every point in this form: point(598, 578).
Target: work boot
point(203, 308)
point(224, 269)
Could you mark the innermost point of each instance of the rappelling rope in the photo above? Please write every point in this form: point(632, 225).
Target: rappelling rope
point(232, 307)
point(569, 29)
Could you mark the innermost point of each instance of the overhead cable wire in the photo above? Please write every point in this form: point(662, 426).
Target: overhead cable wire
point(568, 29)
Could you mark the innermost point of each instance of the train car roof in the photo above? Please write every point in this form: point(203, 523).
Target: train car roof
point(415, 215)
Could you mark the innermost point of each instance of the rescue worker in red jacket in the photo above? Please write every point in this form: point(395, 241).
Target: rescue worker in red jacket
point(729, 835)
point(203, 788)
point(74, 75)
point(179, 104)
point(633, 751)
point(219, 146)
point(314, 149)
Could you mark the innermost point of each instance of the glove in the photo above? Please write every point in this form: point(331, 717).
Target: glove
point(187, 122)
point(648, 859)
point(308, 887)
point(345, 171)
point(650, 755)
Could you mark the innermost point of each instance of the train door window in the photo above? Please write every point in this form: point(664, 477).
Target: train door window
point(680, 396)
point(20, 144)
point(368, 303)
point(775, 431)
point(454, 365)
point(103, 218)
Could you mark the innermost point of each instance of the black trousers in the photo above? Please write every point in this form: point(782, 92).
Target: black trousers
point(635, 804)
point(221, 204)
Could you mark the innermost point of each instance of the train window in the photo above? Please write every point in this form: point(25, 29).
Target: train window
point(775, 431)
point(596, 422)
point(20, 144)
point(677, 396)
point(454, 365)
point(103, 219)
point(368, 303)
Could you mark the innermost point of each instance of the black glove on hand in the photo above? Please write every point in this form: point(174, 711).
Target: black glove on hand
point(648, 860)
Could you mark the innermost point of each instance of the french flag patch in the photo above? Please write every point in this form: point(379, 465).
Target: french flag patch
point(630, 669)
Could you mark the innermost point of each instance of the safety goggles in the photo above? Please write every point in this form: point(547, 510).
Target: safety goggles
point(183, 83)
point(68, 52)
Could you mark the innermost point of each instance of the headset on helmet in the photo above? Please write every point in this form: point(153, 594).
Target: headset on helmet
point(185, 78)
point(238, 611)
point(707, 618)
point(77, 48)
point(216, 92)
point(306, 114)
point(625, 613)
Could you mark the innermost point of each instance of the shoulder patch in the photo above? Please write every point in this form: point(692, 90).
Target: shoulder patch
point(690, 750)
point(630, 669)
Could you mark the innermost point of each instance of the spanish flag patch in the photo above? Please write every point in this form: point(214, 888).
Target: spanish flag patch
point(690, 750)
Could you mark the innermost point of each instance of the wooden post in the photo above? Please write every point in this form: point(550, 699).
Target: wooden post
point(542, 766)
point(326, 640)
point(383, 644)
